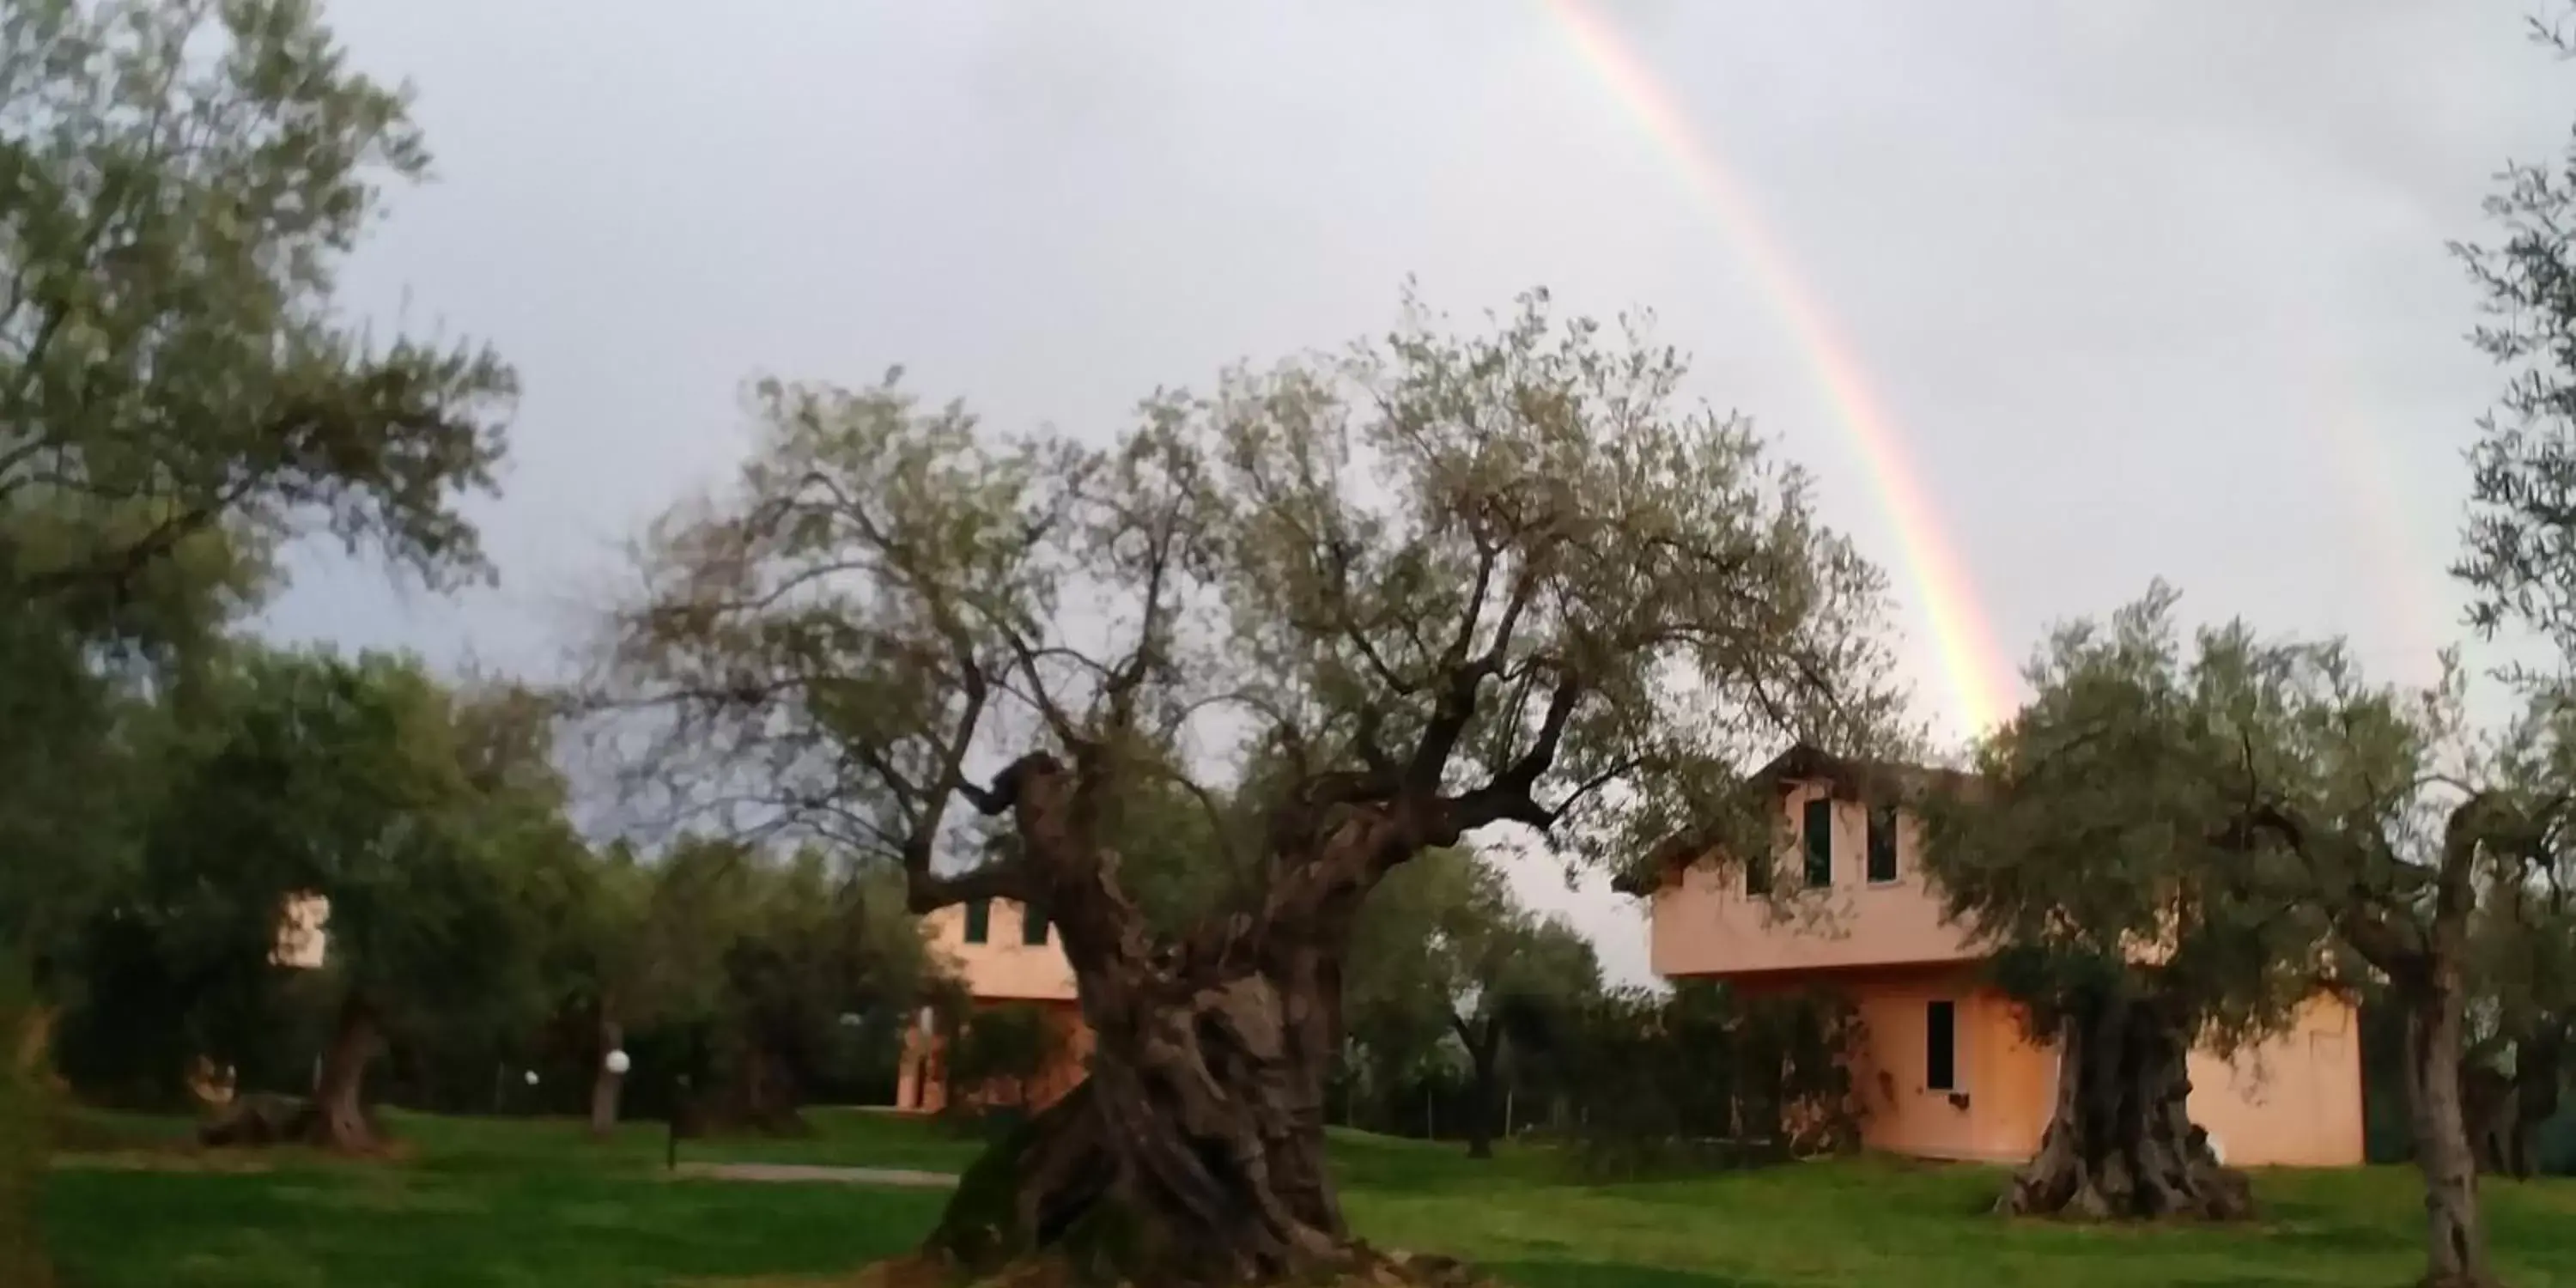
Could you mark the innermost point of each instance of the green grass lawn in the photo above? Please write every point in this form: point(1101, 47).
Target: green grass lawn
point(522, 1202)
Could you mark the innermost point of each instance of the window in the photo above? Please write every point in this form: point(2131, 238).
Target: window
point(1882, 843)
point(1941, 1046)
point(979, 921)
point(1033, 926)
point(1757, 877)
point(1818, 833)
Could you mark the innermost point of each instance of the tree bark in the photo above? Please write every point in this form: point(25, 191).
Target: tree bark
point(758, 1093)
point(2504, 1115)
point(1194, 1152)
point(2435, 1021)
point(606, 1083)
point(770, 1099)
point(33, 1056)
point(27, 1024)
point(2120, 1143)
point(339, 1116)
point(1484, 1043)
point(2490, 1110)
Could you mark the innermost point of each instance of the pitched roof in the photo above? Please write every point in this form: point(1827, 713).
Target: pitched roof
point(1853, 778)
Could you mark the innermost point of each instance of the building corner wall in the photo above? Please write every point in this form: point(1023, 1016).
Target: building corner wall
point(2292, 1101)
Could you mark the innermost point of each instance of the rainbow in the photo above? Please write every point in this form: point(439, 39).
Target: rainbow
point(2415, 604)
point(1980, 677)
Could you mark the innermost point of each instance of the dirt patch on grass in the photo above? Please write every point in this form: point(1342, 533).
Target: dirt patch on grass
point(1377, 1270)
point(800, 1173)
point(902, 1272)
point(156, 1160)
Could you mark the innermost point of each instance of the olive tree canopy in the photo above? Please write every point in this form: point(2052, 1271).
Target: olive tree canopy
point(1396, 595)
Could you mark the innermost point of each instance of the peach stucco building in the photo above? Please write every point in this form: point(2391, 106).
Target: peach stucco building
point(1004, 956)
point(1949, 1071)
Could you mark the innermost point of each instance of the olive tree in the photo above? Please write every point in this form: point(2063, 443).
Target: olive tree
point(2172, 844)
point(2522, 966)
point(180, 181)
point(183, 180)
point(2520, 567)
point(1430, 586)
point(2089, 854)
point(367, 782)
point(2402, 827)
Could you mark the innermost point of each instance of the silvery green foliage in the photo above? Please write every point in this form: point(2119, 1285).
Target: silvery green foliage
point(1512, 578)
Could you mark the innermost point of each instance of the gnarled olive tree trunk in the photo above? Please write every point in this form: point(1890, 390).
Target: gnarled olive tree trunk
point(2503, 1114)
point(25, 1024)
point(1194, 1153)
point(2490, 1110)
point(338, 1117)
point(2121, 1142)
point(758, 1090)
point(1484, 1041)
point(32, 1047)
point(2436, 1006)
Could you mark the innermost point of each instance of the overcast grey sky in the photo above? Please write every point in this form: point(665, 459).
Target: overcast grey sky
point(2145, 287)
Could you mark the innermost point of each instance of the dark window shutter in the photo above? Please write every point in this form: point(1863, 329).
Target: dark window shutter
point(1941, 1046)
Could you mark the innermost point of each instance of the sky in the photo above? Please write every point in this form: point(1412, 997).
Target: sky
point(2051, 298)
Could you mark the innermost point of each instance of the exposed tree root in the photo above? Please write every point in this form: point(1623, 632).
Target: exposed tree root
point(261, 1119)
point(1365, 1268)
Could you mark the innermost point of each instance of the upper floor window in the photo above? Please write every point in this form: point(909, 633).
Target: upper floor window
point(979, 921)
point(1882, 843)
point(1033, 926)
point(1817, 831)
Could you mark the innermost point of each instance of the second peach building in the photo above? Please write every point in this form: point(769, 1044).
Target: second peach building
point(1006, 955)
point(1948, 1070)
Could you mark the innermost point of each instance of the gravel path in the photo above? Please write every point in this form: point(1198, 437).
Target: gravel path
point(798, 1173)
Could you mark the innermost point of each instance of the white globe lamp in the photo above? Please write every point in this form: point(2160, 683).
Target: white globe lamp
point(616, 1062)
point(532, 1077)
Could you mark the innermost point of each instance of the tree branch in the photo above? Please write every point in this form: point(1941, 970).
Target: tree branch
point(114, 571)
point(1510, 796)
point(926, 891)
point(1458, 697)
point(2393, 946)
point(1058, 722)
